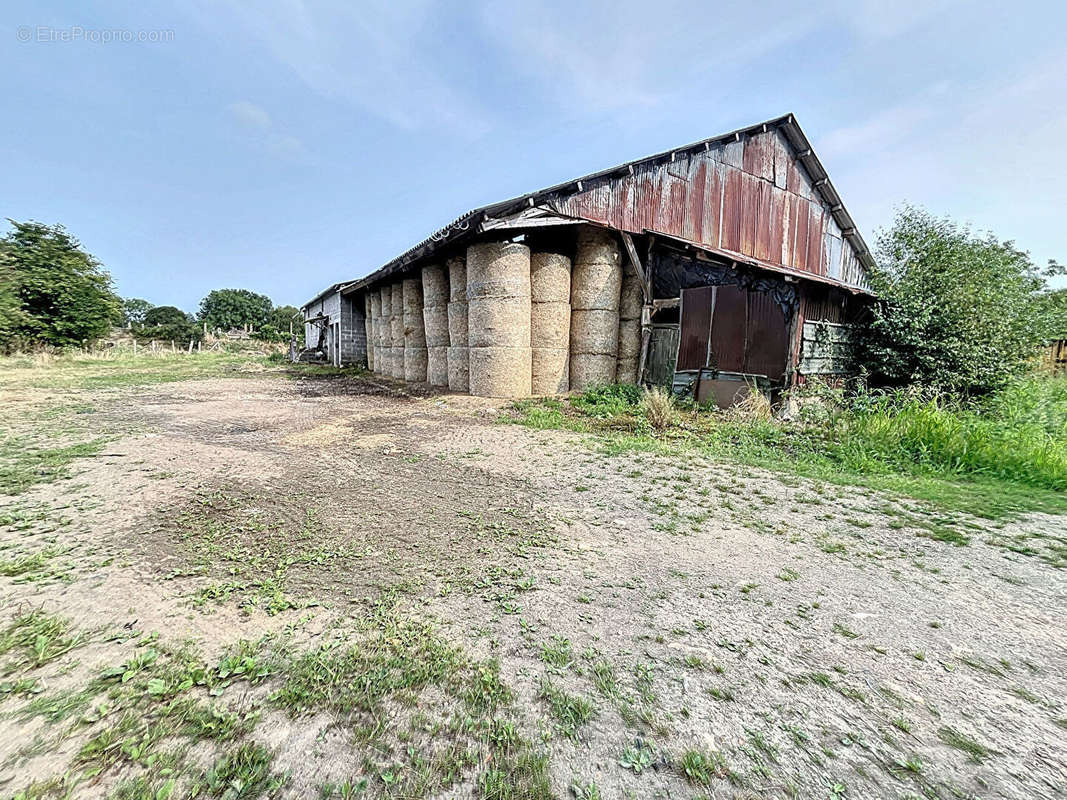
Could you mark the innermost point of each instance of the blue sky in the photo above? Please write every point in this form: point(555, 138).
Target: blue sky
point(282, 146)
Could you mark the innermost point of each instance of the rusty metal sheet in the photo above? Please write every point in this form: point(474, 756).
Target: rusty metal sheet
point(695, 318)
point(766, 337)
point(759, 156)
point(800, 235)
point(728, 328)
point(814, 258)
point(695, 214)
point(731, 210)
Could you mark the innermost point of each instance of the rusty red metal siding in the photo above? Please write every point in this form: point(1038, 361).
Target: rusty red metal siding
point(749, 196)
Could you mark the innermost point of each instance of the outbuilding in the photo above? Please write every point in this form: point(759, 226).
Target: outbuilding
point(724, 264)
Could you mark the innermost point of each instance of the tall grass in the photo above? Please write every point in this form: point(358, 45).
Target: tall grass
point(1018, 435)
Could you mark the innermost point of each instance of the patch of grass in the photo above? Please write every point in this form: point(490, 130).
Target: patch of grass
point(976, 751)
point(35, 638)
point(557, 652)
point(24, 464)
point(124, 367)
point(701, 767)
point(520, 777)
point(569, 711)
point(242, 774)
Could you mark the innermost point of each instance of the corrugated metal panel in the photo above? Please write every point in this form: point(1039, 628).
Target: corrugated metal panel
point(729, 328)
point(767, 337)
point(696, 311)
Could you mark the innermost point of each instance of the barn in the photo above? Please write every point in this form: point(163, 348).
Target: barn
point(727, 263)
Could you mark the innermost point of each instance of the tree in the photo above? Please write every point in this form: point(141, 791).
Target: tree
point(166, 315)
point(10, 305)
point(65, 295)
point(133, 311)
point(955, 309)
point(281, 316)
point(234, 308)
point(1051, 308)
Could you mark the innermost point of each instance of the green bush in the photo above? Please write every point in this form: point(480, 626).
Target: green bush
point(956, 311)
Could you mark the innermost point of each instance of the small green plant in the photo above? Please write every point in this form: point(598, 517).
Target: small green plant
point(700, 767)
point(637, 757)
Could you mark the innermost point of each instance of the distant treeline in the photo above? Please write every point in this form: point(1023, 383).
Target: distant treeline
point(53, 293)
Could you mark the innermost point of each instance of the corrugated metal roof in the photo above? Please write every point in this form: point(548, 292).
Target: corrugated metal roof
point(466, 224)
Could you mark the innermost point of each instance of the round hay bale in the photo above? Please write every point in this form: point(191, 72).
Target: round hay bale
point(434, 286)
point(500, 371)
point(458, 369)
point(595, 331)
point(435, 322)
point(626, 370)
point(498, 322)
point(398, 363)
point(412, 294)
point(549, 371)
point(591, 369)
point(596, 286)
point(597, 246)
point(632, 296)
point(376, 331)
point(457, 278)
point(368, 329)
point(414, 332)
point(415, 364)
point(437, 366)
point(396, 329)
point(498, 269)
point(457, 324)
point(629, 338)
point(550, 278)
point(550, 325)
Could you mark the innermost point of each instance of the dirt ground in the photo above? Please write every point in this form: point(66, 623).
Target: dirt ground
point(805, 638)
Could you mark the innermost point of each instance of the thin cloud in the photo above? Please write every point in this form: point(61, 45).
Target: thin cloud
point(249, 114)
point(378, 55)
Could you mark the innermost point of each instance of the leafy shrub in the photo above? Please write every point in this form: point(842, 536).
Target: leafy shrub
point(956, 311)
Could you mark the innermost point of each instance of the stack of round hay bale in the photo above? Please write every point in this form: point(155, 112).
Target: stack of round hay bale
point(631, 300)
point(385, 335)
point(550, 323)
point(396, 330)
point(596, 283)
point(458, 359)
point(376, 331)
point(498, 319)
point(435, 321)
point(414, 332)
point(368, 328)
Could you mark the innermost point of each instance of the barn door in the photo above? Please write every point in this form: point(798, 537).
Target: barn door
point(663, 348)
point(732, 329)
